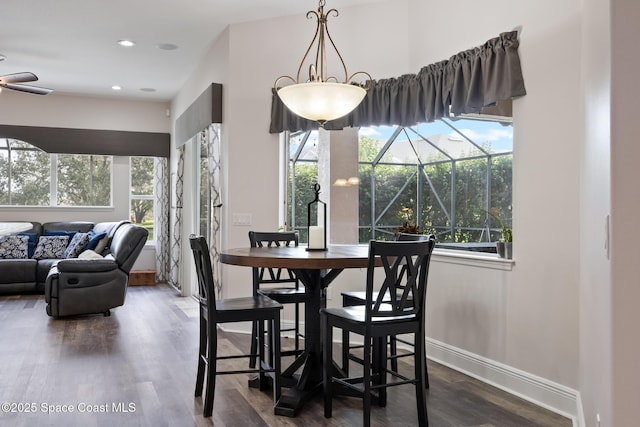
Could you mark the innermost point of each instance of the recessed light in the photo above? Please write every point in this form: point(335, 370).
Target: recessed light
point(167, 46)
point(116, 87)
point(147, 89)
point(126, 43)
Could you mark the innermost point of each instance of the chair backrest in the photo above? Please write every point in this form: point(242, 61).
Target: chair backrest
point(204, 272)
point(405, 269)
point(414, 237)
point(268, 239)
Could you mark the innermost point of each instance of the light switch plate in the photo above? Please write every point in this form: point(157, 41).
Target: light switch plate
point(241, 219)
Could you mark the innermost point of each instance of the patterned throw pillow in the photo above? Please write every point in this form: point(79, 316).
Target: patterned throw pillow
point(13, 247)
point(51, 247)
point(76, 245)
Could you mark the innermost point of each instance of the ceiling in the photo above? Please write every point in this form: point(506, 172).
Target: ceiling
point(71, 45)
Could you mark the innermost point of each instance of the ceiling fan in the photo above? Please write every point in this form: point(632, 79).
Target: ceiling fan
point(14, 81)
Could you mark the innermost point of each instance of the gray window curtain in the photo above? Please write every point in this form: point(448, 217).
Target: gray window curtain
point(161, 221)
point(174, 278)
point(213, 178)
point(465, 83)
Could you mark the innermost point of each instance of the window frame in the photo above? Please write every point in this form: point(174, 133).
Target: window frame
point(53, 177)
point(293, 159)
point(151, 239)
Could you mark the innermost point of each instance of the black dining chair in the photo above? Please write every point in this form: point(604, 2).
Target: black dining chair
point(405, 271)
point(214, 311)
point(350, 298)
point(279, 284)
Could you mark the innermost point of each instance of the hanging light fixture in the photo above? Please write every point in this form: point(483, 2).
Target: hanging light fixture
point(321, 98)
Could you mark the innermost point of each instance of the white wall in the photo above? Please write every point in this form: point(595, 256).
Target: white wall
point(595, 271)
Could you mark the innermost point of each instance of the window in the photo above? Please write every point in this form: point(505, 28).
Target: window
point(448, 177)
point(83, 180)
point(32, 177)
point(142, 198)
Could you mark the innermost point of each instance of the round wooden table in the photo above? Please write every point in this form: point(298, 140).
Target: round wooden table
point(316, 270)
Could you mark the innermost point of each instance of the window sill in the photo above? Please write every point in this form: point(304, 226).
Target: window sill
point(472, 259)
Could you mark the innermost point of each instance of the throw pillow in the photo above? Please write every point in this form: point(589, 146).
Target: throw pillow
point(31, 244)
point(77, 244)
point(102, 245)
point(94, 238)
point(50, 247)
point(70, 234)
point(13, 247)
point(89, 254)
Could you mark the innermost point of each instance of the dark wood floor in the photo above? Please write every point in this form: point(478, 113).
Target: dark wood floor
point(137, 368)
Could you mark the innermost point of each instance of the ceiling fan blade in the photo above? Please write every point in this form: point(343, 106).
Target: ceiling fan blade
point(18, 78)
point(29, 89)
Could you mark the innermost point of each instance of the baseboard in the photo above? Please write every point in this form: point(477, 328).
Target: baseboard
point(540, 391)
point(547, 394)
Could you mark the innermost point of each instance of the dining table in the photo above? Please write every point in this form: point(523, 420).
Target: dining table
point(316, 269)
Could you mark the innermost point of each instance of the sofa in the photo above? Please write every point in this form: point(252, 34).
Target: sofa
point(81, 267)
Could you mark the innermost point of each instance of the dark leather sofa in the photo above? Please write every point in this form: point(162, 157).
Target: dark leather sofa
point(78, 286)
point(86, 286)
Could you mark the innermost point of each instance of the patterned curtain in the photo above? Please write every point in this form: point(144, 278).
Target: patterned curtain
point(174, 276)
point(161, 220)
point(213, 179)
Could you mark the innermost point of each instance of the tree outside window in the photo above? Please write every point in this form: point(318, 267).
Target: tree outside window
point(142, 193)
point(32, 177)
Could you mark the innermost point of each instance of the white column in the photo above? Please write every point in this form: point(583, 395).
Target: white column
point(337, 163)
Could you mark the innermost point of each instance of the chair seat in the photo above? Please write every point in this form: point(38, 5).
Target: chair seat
point(285, 295)
point(249, 304)
point(356, 314)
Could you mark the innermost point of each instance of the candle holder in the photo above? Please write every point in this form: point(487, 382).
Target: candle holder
point(317, 222)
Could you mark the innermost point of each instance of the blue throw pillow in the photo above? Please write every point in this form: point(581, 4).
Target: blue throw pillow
point(31, 243)
point(76, 246)
point(94, 238)
point(70, 234)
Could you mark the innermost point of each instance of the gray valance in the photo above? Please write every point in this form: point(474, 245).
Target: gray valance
point(206, 109)
point(465, 83)
point(91, 141)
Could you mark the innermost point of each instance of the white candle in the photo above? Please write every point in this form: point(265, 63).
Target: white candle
point(316, 237)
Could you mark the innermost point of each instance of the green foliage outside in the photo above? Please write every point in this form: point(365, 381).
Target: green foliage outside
point(84, 180)
point(25, 177)
point(460, 216)
point(142, 183)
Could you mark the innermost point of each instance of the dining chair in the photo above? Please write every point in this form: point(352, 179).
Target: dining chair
point(405, 271)
point(350, 298)
point(257, 308)
point(279, 284)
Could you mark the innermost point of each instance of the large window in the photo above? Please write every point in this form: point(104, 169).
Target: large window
point(450, 177)
point(142, 192)
point(31, 177)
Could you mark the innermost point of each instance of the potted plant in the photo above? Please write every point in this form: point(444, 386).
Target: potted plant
point(408, 225)
point(504, 246)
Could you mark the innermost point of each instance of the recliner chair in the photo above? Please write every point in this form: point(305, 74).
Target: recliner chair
point(87, 286)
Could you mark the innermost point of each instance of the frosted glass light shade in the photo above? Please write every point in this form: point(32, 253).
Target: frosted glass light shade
point(321, 102)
